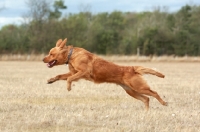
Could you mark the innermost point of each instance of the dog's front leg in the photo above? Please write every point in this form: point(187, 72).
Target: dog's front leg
point(74, 77)
point(59, 77)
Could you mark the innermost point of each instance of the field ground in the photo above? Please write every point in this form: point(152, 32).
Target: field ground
point(27, 103)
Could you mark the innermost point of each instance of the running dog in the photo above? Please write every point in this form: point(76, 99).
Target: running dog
point(85, 65)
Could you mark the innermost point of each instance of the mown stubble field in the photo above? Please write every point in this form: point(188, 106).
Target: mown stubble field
point(27, 103)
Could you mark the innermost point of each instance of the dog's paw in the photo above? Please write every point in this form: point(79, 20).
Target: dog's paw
point(165, 104)
point(69, 89)
point(50, 81)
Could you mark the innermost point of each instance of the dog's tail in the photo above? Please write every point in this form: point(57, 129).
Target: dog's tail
point(143, 70)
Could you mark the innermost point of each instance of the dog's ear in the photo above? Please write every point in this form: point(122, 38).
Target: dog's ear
point(58, 42)
point(63, 43)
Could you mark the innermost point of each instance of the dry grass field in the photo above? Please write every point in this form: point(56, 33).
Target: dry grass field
point(27, 103)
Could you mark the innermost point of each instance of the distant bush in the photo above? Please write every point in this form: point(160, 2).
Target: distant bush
point(153, 33)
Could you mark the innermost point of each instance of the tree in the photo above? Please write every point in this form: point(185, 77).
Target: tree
point(13, 39)
point(156, 33)
point(38, 10)
point(109, 28)
point(58, 4)
point(40, 28)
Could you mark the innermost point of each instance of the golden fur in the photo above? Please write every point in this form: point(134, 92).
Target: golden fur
point(85, 65)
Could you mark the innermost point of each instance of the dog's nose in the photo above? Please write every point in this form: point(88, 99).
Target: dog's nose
point(43, 59)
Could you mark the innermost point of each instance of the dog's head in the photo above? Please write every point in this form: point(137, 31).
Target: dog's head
point(57, 55)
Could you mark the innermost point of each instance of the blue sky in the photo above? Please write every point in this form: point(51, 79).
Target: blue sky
point(15, 9)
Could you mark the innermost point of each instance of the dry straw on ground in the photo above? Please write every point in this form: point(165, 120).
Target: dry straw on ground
point(27, 103)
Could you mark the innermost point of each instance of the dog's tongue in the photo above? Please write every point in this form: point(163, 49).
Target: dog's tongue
point(48, 65)
point(51, 63)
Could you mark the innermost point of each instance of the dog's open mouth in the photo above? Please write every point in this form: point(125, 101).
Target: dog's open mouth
point(51, 63)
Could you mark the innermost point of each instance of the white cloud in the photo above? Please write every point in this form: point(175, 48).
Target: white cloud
point(10, 20)
point(13, 4)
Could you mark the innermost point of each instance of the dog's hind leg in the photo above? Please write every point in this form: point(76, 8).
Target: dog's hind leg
point(136, 95)
point(154, 94)
point(138, 84)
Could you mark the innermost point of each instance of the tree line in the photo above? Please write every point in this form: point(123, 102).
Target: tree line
point(156, 32)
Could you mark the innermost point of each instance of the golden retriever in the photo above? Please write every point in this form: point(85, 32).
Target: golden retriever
point(85, 65)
